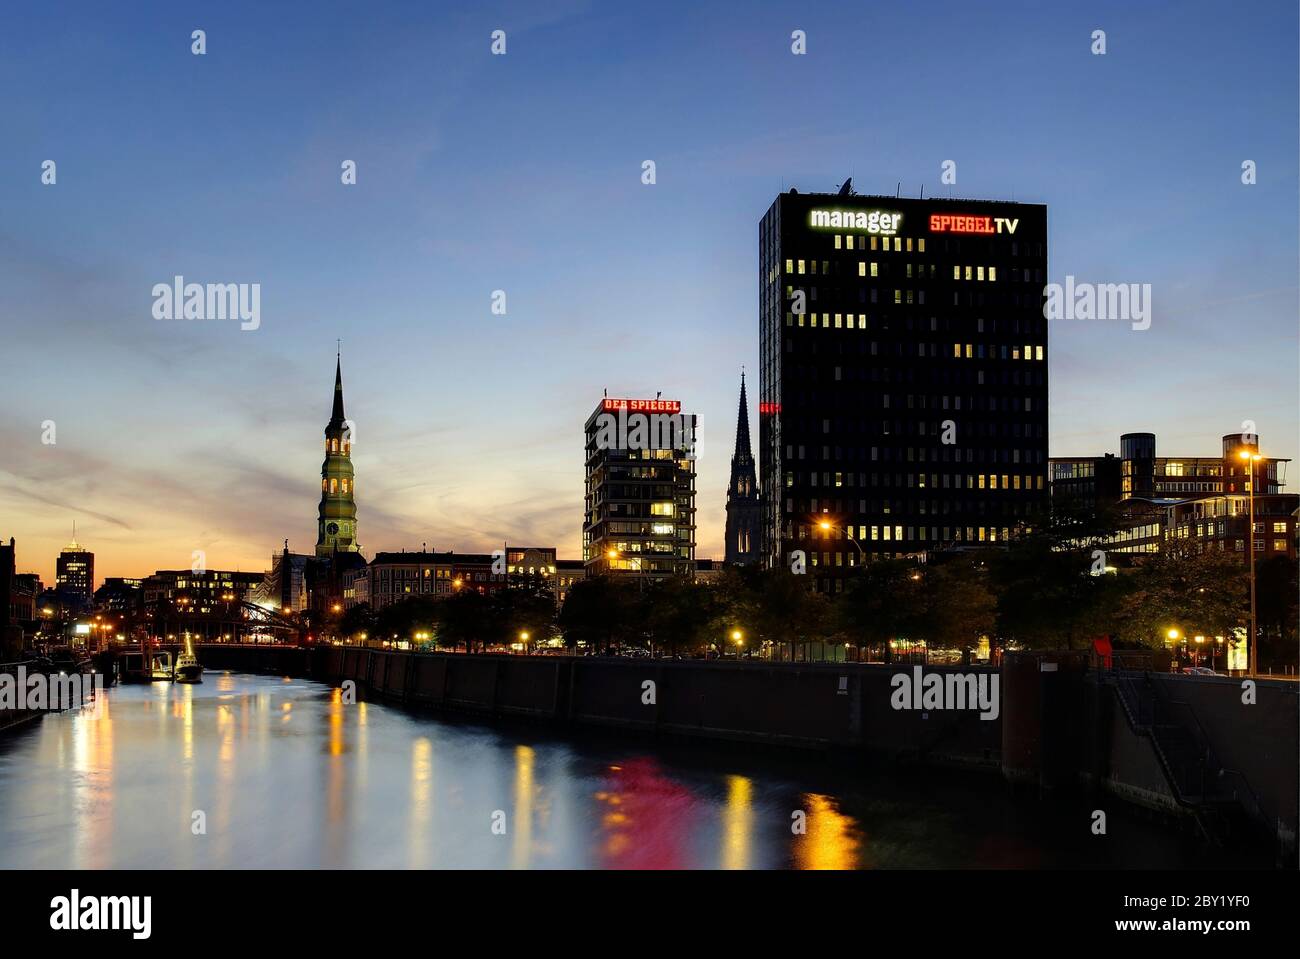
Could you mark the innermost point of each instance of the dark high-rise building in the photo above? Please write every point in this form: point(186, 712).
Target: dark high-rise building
point(75, 574)
point(639, 513)
point(903, 402)
point(337, 515)
point(743, 510)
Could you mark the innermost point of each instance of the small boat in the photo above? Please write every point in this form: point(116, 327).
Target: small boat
point(160, 668)
point(188, 669)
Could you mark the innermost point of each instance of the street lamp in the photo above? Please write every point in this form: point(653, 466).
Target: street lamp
point(738, 638)
point(523, 638)
point(613, 554)
point(1251, 459)
point(828, 525)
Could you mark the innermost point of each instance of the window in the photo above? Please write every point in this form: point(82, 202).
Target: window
point(1279, 527)
point(1279, 545)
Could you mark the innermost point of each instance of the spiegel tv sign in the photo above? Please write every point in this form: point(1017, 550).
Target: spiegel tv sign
point(969, 223)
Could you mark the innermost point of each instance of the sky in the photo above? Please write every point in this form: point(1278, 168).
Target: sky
point(523, 173)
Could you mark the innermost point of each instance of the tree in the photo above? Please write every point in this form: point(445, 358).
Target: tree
point(403, 620)
point(780, 607)
point(461, 619)
point(599, 612)
point(887, 601)
point(960, 605)
point(359, 619)
point(678, 612)
point(1276, 591)
point(1195, 591)
point(524, 610)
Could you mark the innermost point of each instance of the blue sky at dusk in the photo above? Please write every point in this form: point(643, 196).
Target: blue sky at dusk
point(523, 173)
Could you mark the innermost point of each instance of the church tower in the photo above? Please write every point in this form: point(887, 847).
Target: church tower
point(743, 512)
point(337, 517)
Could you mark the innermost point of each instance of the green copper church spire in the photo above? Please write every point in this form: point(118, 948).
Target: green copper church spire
point(337, 516)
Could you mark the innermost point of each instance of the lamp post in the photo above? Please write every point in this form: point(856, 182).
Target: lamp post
point(738, 638)
point(1250, 460)
point(828, 525)
point(613, 554)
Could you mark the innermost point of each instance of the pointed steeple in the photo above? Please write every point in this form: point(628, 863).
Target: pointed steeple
point(337, 417)
point(744, 452)
point(742, 492)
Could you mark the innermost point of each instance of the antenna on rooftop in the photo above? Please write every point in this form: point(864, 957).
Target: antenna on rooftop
point(898, 189)
point(846, 188)
point(922, 191)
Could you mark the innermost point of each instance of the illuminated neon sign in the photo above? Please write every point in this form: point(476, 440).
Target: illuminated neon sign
point(965, 223)
point(768, 409)
point(868, 221)
point(643, 406)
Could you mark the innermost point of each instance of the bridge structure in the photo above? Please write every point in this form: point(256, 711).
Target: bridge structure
point(222, 621)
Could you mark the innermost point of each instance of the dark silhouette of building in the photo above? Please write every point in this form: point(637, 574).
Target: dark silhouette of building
point(744, 513)
point(903, 379)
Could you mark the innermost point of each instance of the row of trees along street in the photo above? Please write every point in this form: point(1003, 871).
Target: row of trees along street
point(1042, 590)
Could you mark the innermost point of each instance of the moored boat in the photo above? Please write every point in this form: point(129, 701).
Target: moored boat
point(188, 668)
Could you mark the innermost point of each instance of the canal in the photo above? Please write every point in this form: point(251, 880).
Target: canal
point(251, 771)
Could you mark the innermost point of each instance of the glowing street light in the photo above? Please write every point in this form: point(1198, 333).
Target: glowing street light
point(827, 526)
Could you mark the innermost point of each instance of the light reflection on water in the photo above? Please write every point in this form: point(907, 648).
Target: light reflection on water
point(288, 775)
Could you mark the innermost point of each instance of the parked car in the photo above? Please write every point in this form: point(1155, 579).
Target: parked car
point(1199, 671)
